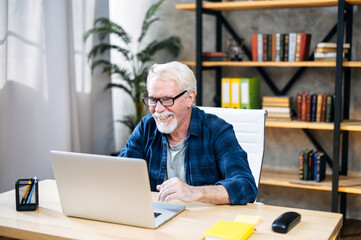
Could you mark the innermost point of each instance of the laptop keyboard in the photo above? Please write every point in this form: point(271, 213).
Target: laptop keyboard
point(156, 214)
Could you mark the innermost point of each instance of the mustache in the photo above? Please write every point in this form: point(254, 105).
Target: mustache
point(163, 114)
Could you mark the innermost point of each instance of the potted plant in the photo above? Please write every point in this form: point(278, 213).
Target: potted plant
point(134, 79)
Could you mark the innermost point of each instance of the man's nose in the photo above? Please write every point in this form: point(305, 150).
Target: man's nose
point(159, 107)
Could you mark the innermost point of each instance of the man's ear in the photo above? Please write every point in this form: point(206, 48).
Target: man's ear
point(191, 97)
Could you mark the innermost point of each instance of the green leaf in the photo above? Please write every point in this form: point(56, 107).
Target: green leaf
point(172, 44)
point(101, 48)
point(149, 19)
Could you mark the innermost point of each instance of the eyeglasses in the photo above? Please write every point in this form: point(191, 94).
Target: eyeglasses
point(165, 101)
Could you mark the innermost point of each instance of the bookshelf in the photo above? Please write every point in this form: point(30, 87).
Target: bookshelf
point(338, 185)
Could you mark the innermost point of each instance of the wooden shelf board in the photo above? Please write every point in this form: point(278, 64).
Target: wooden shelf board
point(272, 64)
point(347, 184)
point(250, 5)
point(347, 125)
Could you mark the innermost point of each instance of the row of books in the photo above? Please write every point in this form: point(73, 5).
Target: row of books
point(278, 47)
point(241, 93)
point(326, 51)
point(312, 165)
point(277, 107)
point(315, 107)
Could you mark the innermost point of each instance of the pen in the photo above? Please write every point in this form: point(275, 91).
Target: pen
point(31, 186)
point(26, 191)
point(32, 189)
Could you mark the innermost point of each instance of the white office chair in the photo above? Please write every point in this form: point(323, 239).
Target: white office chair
point(249, 127)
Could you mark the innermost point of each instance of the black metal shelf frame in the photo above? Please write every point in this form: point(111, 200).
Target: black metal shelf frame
point(345, 16)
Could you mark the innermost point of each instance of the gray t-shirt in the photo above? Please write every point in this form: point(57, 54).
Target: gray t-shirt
point(175, 161)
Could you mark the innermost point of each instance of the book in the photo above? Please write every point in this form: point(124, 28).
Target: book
point(226, 92)
point(277, 47)
point(319, 166)
point(326, 50)
point(273, 52)
point(310, 165)
point(213, 54)
point(265, 47)
point(254, 47)
point(229, 231)
point(323, 108)
point(313, 107)
point(330, 45)
point(285, 47)
point(305, 46)
point(235, 93)
point(275, 104)
point(260, 47)
point(277, 109)
point(319, 107)
point(300, 159)
point(250, 93)
point(218, 59)
point(298, 103)
point(303, 106)
point(298, 46)
point(284, 99)
point(308, 108)
point(329, 108)
point(306, 156)
point(279, 115)
point(292, 47)
point(327, 55)
point(269, 47)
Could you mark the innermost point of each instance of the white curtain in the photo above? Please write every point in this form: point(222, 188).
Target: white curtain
point(49, 100)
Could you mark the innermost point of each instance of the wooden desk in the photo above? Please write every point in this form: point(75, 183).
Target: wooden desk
point(48, 222)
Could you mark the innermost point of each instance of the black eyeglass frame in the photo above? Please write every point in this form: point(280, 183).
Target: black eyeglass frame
point(146, 99)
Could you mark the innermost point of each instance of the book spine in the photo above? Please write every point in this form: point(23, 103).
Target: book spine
point(260, 47)
point(303, 106)
point(308, 108)
point(329, 107)
point(300, 172)
point(254, 47)
point(278, 47)
point(310, 165)
point(298, 45)
point(273, 47)
point(305, 164)
point(319, 107)
point(299, 104)
point(265, 47)
point(282, 46)
point(313, 107)
point(292, 47)
point(285, 49)
point(269, 47)
point(323, 108)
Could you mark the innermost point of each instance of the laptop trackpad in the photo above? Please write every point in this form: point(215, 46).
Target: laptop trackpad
point(167, 211)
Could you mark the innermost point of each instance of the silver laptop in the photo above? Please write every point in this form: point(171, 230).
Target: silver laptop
point(110, 189)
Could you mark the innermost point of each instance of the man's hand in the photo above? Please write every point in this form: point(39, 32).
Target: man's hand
point(175, 188)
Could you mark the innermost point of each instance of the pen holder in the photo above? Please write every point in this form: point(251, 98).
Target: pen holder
point(27, 194)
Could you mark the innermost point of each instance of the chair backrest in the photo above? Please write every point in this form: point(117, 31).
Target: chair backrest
point(249, 125)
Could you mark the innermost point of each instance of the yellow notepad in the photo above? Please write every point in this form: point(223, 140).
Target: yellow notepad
point(229, 231)
point(248, 219)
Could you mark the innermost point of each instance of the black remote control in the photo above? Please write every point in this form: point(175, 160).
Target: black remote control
point(286, 222)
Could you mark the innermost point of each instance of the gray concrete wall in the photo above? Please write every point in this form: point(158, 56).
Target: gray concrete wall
point(282, 145)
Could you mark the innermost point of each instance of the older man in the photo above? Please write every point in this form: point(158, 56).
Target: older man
point(191, 155)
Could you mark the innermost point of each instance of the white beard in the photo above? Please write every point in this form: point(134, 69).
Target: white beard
point(163, 127)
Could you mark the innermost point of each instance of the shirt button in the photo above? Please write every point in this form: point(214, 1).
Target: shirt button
point(164, 145)
point(163, 166)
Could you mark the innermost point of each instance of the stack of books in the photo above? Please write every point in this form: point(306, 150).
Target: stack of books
point(278, 108)
point(326, 51)
point(315, 107)
point(279, 47)
point(213, 56)
point(312, 165)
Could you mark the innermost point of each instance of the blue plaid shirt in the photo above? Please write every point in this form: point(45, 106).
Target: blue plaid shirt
point(213, 155)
